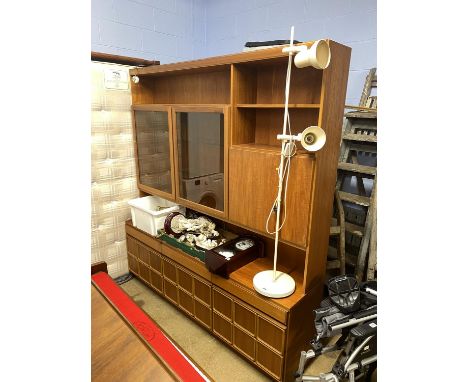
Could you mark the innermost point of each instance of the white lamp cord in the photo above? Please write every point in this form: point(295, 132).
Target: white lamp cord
point(282, 172)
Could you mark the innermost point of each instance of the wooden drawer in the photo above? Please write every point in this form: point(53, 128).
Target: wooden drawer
point(184, 280)
point(269, 360)
point(271, 333)
point(222, 328)
point(132, 263)
point(252, 298)
point(195, 265)
point(170, 271)
point(155, 261)
point(144, 272)
point(222, 303)
point(156, 281)
point(170, 291)
point(143, 237)
point(202, 314)
point(144, 254)
point(245, 318)
point(244, 343)
point(186, 302)
point(132, 246)
point(202, 291)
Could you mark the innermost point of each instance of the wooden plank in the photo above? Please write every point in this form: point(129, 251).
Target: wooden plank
point(334, 231)
point(111, 334)
point(342, 240)
point(357, 168)
point(363, 108)
point(360, 182)
point(372, 261)
point(354, 229)
point(356, 199)
point(358, 114)
point(351, 228)
point(363, 250)
point(365, 147)
point(366, 91)
point(360, 138)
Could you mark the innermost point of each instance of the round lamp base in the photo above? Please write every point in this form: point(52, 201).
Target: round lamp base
point(280, 287)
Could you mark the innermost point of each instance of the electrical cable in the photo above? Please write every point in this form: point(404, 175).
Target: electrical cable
point(292, 144)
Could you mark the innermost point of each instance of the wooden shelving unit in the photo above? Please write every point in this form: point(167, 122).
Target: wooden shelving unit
point(249, 89)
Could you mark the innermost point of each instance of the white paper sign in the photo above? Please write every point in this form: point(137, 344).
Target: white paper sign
point(116, 79)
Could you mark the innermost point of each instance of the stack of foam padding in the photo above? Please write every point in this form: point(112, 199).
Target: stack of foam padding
point(113, 174)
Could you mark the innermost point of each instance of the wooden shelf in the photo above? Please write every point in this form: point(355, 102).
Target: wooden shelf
point(278, 106)
point(151, 106)
point(245, 275)
point(258, 147)
point(267, 148)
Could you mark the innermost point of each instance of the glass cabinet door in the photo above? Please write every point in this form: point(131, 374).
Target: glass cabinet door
point(200, 139)
point(154, 151)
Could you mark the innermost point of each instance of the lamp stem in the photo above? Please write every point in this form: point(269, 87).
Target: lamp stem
point(283, 144)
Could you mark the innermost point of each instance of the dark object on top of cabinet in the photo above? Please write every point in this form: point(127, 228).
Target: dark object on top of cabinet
point(122, 60)
point(255, 44)
point(233, 255)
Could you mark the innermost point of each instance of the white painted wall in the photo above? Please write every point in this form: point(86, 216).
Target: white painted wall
point(229, 24)
point(164, 30)
point(178, 30)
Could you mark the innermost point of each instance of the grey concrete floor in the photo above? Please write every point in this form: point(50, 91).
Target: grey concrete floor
point(220, 362)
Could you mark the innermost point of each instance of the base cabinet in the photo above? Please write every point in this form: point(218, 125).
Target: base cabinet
point(259, 338)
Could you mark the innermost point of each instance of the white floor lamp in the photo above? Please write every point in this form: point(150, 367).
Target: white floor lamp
point(273, 283)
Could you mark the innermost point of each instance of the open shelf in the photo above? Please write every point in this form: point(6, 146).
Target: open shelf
point(264, 85)
point(278, 106)
point(245, 275)
point(199, 87)
point(262, 125)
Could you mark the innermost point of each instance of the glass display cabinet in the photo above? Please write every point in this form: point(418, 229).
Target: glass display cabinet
point(200, 140)
point(154, 151)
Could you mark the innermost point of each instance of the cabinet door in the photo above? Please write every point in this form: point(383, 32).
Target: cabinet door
point(201, 157)
point(153, 136)
point(250, 200)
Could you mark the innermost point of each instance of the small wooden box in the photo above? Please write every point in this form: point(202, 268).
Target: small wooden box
point(233, 255)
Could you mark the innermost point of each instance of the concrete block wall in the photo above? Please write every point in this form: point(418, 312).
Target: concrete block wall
point(229, 24)
point(164, 30)
point(178, 30)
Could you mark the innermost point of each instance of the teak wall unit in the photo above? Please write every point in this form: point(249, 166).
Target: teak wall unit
point(247, 90)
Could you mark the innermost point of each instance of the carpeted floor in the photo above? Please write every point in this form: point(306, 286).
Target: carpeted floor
point(221, 363)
